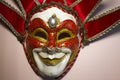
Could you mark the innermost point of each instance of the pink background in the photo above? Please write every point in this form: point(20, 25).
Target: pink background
point(98, 61)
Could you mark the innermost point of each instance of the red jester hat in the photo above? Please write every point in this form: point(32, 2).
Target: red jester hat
point(53, 31)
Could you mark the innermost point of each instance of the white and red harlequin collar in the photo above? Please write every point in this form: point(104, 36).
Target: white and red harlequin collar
point(90, 28)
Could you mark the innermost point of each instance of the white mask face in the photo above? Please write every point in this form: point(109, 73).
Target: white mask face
point(53, 41)
point(52, 65)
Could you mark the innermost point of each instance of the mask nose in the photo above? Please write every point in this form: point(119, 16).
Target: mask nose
point(52, 40)
point(51, 51)
point(48, 50)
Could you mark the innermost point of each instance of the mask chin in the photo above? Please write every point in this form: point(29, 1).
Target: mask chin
point(51, 65)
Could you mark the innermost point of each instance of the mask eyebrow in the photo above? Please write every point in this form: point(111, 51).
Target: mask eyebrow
point(37, 23)
point(69, 24)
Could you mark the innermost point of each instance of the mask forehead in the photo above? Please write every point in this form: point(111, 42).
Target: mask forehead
point(60, 14)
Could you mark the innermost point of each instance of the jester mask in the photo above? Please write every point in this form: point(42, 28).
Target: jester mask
point(53, 31)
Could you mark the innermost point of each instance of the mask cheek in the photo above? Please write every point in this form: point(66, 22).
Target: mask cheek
point(34, 43)
point(73, 44)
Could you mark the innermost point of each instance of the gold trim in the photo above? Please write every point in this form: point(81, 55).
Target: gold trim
point(39, 37)
point(11, 28)
point(105, 31)
point(85, 40)
point(21, 7)
point(65, 30)
point(92, 11)
point(65, 2)
point(51, 62)
point(43, 2)
point(75, 3)
point(8, 5)
point(37, 2)
point(104, 14)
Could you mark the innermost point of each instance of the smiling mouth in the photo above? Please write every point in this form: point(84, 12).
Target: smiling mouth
point(53, 59)
point(51, 62)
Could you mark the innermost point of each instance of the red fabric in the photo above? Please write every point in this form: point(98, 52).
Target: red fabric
point(40, 1)
point(99, 25)
point(16, 21)
point(28, 5)
point(84, 7)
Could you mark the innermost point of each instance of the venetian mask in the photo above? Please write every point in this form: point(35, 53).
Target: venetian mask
point(52, 32)
point(53, 40)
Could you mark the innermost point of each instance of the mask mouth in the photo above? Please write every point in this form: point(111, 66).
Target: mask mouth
point(51, 56)
point(51, 61)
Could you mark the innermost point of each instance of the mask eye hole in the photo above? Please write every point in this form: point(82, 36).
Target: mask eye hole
point(64, 34)
point(40, 34)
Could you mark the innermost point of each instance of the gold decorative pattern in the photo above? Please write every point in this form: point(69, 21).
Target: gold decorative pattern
point(40, 34)
point(64, 34)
